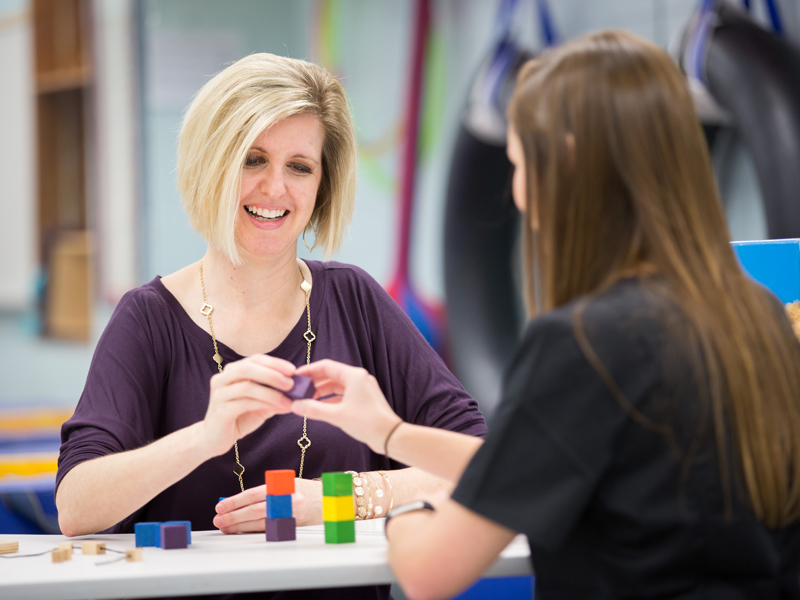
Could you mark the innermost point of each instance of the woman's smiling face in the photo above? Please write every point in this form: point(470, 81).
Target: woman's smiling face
point(280, 179)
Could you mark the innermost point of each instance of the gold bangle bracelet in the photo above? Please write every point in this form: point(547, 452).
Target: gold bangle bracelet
point(358, 495)
point(385, 475)
point(378, 510)
point(368, 494)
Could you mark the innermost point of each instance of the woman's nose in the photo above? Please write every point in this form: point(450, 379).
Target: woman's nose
point(273, 184)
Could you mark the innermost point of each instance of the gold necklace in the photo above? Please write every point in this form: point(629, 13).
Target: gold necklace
point(304, 442)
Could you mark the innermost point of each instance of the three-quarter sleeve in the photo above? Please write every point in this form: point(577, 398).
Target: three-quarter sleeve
point(120, 404)
point(553, 436)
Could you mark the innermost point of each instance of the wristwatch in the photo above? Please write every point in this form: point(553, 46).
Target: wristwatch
point(407, 508)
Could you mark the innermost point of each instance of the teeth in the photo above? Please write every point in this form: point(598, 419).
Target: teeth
point(266, 213)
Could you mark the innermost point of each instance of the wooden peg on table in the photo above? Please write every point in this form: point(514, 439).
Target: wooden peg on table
point(133, 555)
point(67, 546)
point(9, 546)
point(61, 555)
point(91, 547)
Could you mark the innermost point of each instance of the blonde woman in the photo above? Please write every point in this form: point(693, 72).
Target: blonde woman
point(177, 411)
point(648, 439)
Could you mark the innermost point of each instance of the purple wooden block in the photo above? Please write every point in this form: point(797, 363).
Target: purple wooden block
point(173, 537)
point(281, 530)
point(303, 388)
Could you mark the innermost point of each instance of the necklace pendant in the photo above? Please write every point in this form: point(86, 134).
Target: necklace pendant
point(304, 442)
point(305, 286)
point(309, 335)
point(217, 358)
point(238, 470)
point(207, 309)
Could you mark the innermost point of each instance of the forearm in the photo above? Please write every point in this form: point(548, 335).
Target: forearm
point(99, 493)
point(440, 452)
point(436, 555)
point(398, 487)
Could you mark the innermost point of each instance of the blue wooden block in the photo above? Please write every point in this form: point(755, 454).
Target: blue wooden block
point(148, 535)
point(188, 525)
point(279, 507)
point(775, 264)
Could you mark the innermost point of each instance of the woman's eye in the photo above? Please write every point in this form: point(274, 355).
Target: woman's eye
point(301, 168)
point(253, 161)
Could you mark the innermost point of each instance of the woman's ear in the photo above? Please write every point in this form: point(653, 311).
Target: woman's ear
point(793, 311)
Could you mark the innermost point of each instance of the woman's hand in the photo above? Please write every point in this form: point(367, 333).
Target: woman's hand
point(360, 408)
point(240, 402)
point(246, 511)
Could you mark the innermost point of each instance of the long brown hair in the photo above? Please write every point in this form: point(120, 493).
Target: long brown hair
point(636, 188)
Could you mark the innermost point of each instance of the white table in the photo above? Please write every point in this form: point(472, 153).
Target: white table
point(215, 563)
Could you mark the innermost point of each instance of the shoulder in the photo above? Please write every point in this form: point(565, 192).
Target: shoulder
point(354, 287)
point(342, 275)
point(151, 296)
point(618, 331)
point(627, 311)
point(143, 311)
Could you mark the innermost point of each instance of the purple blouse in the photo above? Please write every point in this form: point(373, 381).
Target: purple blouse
point(151, 370)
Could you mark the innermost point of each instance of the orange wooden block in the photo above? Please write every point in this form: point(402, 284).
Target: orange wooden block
point(279, 482)
point(93, 547)
point(61, 555)
point(133, 555)
point(9, 546)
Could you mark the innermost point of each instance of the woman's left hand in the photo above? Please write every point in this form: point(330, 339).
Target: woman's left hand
point(353, 402)
point(245, 512)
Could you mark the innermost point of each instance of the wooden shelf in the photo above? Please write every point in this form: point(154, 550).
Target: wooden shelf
point(71, 78)
point(62, 32)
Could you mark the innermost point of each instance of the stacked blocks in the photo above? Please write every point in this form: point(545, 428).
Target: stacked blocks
point(338, 510)
point(169, 536)
point(280, 525)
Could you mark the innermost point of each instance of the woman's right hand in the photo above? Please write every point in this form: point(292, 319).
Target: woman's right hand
point(240, 402)
point(357, 406)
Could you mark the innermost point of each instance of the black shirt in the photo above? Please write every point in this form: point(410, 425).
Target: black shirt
point(613, 506)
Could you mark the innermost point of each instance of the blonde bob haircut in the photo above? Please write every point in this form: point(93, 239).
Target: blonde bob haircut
point(226, 117)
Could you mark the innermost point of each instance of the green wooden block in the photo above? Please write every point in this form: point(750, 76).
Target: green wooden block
point(340, 532)
point(337, 484)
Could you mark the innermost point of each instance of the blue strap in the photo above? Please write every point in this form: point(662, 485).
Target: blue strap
point(774, 14)
point(549, 33)
point(699, 41)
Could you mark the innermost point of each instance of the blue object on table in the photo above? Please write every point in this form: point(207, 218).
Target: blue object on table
point(509, 588)
point(188, 525)
point(173, 536)
point(279, 507)
point(148, 535)
point(775, 264)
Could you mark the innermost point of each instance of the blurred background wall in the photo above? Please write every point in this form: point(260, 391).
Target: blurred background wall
point(137, 66)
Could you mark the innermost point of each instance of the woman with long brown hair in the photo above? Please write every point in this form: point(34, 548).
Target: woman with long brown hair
point(648, 440)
